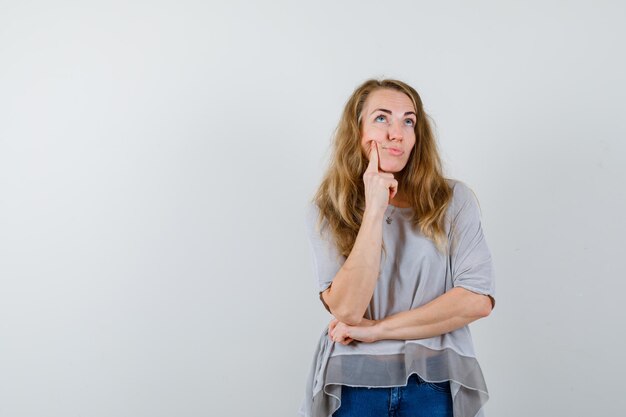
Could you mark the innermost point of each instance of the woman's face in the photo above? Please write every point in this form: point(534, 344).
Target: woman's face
point(389, 118)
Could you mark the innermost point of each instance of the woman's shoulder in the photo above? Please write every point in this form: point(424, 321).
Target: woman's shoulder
point(311, 212)
point(312, 217)
point(311, 208)
point(462, 194)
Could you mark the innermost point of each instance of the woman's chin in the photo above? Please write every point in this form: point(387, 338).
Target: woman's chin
point(391, 169)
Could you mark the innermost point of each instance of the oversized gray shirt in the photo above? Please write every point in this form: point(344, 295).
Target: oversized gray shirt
point(412, 273)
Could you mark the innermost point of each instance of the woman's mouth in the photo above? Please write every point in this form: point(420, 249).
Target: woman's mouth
point(393, 151)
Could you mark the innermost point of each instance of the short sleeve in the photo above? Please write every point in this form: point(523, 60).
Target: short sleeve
point(326, 258)
point(470, 258)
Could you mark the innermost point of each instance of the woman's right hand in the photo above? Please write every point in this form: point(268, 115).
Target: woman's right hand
point(380, 187)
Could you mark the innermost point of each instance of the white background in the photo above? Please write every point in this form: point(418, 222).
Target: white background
point(156, 157)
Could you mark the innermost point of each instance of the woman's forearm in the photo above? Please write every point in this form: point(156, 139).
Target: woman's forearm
point(448, 312)
point(353, 286)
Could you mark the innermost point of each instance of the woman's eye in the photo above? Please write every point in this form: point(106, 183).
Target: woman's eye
point(410, 122)
point(380, 118)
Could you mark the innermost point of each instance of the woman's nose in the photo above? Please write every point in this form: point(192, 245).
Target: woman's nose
point(395, 130)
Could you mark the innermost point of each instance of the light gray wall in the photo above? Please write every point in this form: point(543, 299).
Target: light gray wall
point(155, 159)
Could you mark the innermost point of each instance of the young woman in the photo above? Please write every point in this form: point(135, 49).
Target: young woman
point(403, 266)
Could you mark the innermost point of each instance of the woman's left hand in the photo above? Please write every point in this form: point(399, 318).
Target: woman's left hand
point(342, 333)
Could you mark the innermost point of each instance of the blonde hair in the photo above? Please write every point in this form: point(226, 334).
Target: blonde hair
point(341, 194)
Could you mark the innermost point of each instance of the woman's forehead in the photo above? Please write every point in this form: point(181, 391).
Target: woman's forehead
point(389, 99)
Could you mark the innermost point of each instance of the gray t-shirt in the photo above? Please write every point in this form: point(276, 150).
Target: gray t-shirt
point(412, 273)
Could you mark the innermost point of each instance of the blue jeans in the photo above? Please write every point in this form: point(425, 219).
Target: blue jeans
point(416, 399)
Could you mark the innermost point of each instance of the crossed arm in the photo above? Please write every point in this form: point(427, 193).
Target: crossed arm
point(450, 311)
point(354, 283)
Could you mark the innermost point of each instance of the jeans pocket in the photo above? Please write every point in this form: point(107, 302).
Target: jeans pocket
point(438, 386)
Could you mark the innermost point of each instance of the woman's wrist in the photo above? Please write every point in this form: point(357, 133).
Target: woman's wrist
point(373, 214)
point(373, 329)
point(378, 330)
point(367, 322)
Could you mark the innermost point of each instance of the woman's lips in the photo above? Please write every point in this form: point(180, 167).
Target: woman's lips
point(394, 151)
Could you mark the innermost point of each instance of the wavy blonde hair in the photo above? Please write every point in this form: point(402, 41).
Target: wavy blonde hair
point(341, 194)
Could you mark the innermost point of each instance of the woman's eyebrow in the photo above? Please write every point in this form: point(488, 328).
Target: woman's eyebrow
point(389, 112)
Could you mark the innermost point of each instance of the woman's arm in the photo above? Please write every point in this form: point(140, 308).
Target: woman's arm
point(450, 311)
point(471, 267)
point(353, 286)
point(351, 290)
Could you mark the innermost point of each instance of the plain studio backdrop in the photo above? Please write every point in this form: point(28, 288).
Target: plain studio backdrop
point(156, 159)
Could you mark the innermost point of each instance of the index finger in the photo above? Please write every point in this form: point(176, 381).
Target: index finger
point(373, 164)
